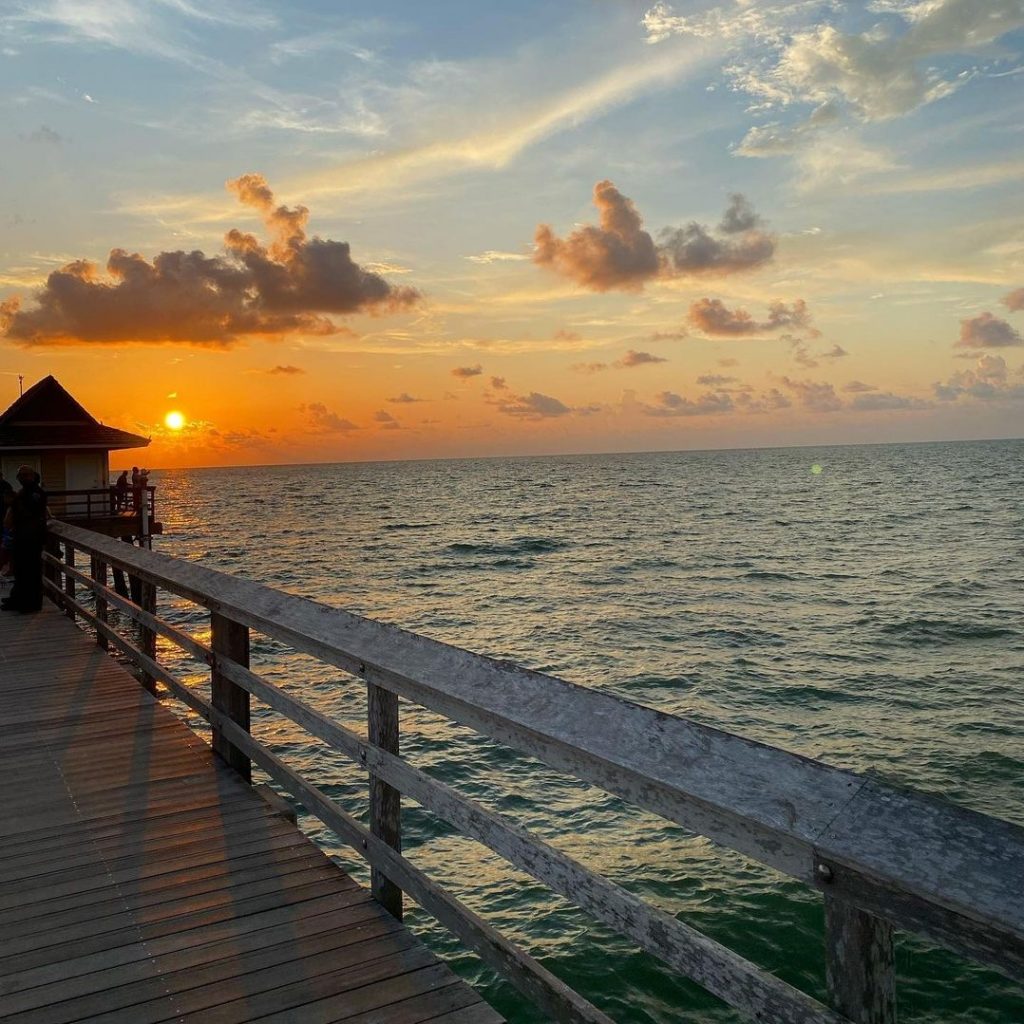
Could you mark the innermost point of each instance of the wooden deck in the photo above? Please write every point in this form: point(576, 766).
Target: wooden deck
point(143, 881)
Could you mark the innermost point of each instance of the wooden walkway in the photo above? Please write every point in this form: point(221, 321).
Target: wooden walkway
point(142, 881)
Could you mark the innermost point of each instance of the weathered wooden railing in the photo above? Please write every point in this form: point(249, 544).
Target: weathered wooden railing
point(97, 502)
point(882, 858)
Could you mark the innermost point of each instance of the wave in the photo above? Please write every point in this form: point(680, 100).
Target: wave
point(940, 631)
point(520, 546)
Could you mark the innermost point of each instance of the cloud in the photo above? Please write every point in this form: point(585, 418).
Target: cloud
point(465, 372)
point(618, 254)
point(562, 334)
point(989, 379)
point(881, 73)
point(801, 354)
point(589, 367)
point(633, 358)
point(814, 395)
point(769, 401)
point(882, 401)
point(739, 216)
point(43, 135)
point(285, 370)
point(1014, 301)
point(715, 380)
point(858, 387)
point(494, 138)
point(322, 420)
point(386, 420)
point(775, 139)
point(495, 256)
point(498, 383)
point(404, 399)
point(283, 288)
point(713, 317)
point(533, 406)
point(693, 250)
point(987, 331)
point(669, 404)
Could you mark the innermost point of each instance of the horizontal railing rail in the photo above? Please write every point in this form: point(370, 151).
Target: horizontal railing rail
point(882, 857)
point(99, 502)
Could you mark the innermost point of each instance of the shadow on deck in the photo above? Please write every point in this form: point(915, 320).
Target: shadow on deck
point(141, 880)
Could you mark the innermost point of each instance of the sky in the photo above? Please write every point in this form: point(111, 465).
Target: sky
point(333, 232)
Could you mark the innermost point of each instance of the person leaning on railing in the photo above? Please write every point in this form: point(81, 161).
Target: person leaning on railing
point(26, 519)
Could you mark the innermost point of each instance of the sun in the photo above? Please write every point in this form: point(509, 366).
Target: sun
point(174, 420)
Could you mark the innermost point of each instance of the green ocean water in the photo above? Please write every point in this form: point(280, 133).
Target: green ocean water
point(868, 615)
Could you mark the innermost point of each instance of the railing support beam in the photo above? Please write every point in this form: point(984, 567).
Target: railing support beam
point(147, 637)
point(230, 641)
point(385, 800)
point(69, 581)
point(98, 571)
point(859, 963)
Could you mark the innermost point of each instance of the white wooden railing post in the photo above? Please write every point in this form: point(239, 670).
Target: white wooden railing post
point(230, 641)
point(385, 800)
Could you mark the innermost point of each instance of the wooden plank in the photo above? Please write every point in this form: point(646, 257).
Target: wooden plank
point(137, 971)
point(45, 887)
point(159, 889)
point(425, 1000)
point(358, 991)
point(279, 889)
point(778, 807)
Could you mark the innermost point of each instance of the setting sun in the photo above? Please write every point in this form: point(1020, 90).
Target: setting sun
point(174, 421)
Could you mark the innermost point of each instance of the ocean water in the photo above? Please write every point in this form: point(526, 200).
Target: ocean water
point(860, 604)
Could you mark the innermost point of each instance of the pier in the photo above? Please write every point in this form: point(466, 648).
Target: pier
point(142, 880)
point(99, 768)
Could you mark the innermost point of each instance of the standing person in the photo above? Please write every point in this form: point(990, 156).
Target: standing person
point(27, 518)
point(135, 487)
point(121, 491)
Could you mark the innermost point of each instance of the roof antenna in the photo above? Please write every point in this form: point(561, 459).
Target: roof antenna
point(21, 384)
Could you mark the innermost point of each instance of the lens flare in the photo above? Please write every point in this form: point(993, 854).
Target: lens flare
point(174, 420)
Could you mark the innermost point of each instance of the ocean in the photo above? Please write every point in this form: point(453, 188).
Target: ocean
point(861, 605)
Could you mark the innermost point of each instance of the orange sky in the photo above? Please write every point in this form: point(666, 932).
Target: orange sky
point(592, 229)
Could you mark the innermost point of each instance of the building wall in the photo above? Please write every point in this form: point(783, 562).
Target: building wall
point(52, 470)
point(52, 466)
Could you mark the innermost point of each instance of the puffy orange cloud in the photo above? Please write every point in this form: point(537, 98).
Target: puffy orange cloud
point(618, 253)
point(1014, 301)
point(712, 316)
point(283, 288)
point(987, 331)
point(633, 358)
point(533, 406)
